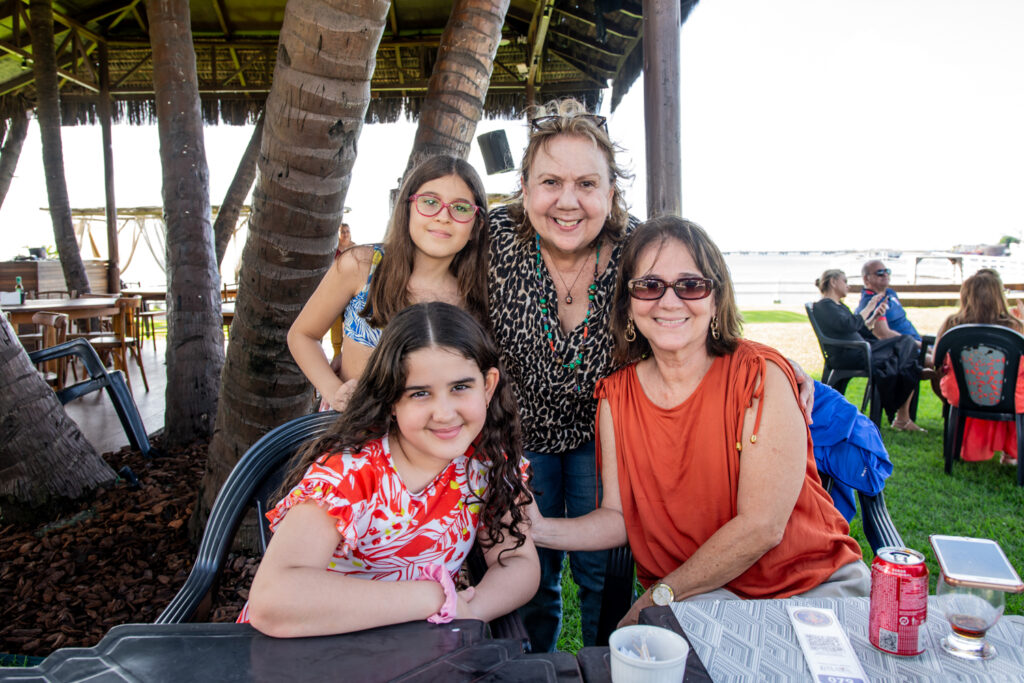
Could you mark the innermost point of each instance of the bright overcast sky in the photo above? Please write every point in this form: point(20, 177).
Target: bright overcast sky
point(807, 124)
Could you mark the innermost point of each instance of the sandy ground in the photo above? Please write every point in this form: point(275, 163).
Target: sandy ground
point(796, 340)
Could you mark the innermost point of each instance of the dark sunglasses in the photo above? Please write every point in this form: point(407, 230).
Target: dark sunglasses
point(883, 271)
point(686, 288)
point(599, 121)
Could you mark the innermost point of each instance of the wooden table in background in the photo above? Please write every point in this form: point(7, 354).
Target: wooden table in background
point(75, 309)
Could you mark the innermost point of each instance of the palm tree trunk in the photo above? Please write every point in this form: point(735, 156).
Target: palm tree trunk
point(245, 174)
point(43, 455)
point(314, 114)
point(44, 68)
point(195, 337)
point(458, 86)
point(13, 142)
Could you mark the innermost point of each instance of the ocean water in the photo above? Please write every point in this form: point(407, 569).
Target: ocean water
point(787, 278)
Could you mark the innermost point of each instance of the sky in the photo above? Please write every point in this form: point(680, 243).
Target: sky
point(806, 125)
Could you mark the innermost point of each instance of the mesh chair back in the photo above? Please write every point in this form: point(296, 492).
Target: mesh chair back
point(985, 361)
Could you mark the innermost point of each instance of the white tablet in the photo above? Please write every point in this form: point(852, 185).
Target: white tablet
point(976, 562)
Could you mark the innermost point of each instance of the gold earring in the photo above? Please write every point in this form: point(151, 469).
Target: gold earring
point(630, 331)
point(715, 332)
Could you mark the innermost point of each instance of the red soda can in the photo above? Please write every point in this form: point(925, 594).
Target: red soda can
point(899, 601)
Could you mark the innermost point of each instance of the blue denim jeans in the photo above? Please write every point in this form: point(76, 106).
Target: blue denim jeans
point(565, 485)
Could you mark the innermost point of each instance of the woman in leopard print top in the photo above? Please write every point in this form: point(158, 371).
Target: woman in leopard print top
point(553, 257)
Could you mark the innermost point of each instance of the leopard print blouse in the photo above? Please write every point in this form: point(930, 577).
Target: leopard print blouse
point(557, 405)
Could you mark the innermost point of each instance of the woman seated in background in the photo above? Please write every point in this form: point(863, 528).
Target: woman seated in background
point(895, 369)
point(982, 302)
point(705, 456)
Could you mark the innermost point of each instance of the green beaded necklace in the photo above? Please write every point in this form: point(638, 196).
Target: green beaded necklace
point(575, 363)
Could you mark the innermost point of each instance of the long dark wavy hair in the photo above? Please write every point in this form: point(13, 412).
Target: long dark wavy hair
point(368, 416)
point(389, 289)
point(656, 232)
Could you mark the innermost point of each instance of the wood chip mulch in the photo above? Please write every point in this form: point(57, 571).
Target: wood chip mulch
point(118, 559)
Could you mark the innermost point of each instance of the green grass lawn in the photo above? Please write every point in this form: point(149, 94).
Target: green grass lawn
point(979, 499)
point(773, 317)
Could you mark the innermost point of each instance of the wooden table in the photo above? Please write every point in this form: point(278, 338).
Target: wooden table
point(75, 309)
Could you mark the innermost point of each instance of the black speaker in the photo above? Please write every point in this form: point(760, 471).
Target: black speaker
point(494, 148)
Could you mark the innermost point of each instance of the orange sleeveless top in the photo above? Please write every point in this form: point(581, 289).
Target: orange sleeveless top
point(679, 472)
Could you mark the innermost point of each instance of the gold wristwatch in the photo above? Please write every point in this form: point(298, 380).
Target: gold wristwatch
point(661, 594)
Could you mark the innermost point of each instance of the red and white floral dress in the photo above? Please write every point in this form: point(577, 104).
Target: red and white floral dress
point(387, 531)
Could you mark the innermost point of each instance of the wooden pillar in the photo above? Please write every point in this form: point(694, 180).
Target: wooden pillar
point(104, 106)
point(661, 108)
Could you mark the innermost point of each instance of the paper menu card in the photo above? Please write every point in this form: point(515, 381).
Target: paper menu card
point(826, 647)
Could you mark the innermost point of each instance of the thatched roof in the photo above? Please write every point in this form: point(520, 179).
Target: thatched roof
point(586, 45)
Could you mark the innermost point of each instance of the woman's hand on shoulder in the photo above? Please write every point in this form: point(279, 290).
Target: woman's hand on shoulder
point(343, 395)
point(805, 385)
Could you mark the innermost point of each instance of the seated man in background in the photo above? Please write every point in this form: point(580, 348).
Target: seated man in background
point(894, 321)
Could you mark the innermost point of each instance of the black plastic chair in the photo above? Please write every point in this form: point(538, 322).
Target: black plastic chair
point(879, 529)
point(838, 378)
point(100, 378)
point(250, 484)
point(986, 362)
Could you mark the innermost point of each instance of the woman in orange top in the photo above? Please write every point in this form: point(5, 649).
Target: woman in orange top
point(982, 302)
point(706, 460)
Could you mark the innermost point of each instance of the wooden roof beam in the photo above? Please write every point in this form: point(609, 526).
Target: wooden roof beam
point(123, 13)
point(109, 9)
point(27, 58)
point(239, 43)
point(540, 33)
point(135, 67)
point(618, 32)
point(64, 19)
point(393, 18)
point(587, 43)
point(218, 9)
point(510, 72)
point(584, 69)
point(139, 20)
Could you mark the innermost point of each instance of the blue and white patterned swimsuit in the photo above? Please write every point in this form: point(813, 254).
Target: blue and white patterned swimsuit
point(356, 327)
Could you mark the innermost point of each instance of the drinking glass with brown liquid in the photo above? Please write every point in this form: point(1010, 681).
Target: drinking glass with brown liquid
point(971, 612)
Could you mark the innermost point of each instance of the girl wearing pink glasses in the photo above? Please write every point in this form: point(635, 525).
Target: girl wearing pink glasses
point(435, 249)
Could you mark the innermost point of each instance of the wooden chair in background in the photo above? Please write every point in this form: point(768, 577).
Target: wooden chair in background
point(54, 330)
point(148, 316)
point(125, 338)
point(57, 294)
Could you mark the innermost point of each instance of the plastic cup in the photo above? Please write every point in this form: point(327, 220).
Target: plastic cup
point(667, 651)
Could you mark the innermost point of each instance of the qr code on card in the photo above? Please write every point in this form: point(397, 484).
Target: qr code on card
point(888, 640)
point(825, 644)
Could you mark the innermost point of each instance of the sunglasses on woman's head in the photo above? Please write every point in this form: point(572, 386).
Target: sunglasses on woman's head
point(686, 288)
point(429, 206)
point(599, 121)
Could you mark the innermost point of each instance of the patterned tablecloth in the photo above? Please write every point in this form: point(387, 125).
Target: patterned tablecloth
point(754, 640)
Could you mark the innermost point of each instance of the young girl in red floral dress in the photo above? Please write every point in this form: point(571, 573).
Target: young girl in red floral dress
point(380, 513)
